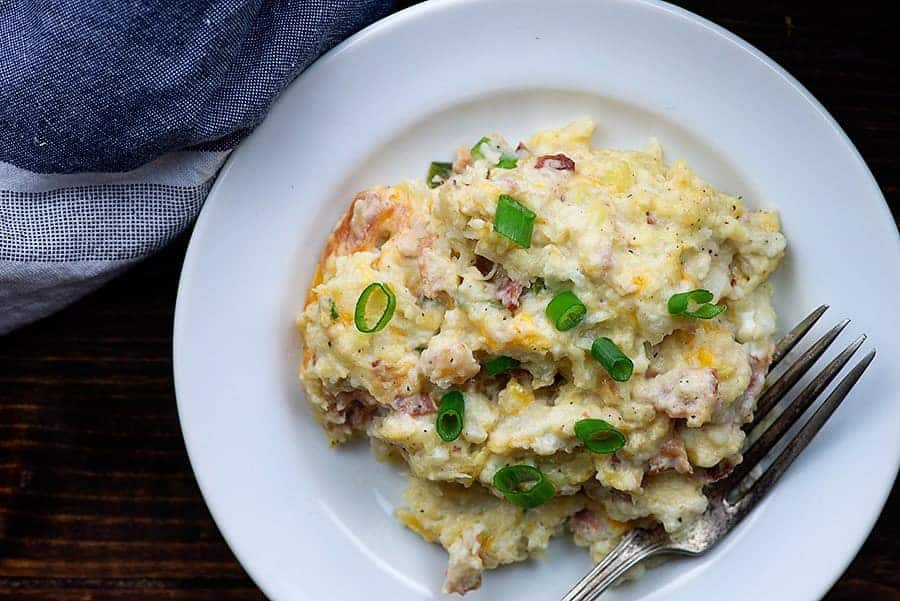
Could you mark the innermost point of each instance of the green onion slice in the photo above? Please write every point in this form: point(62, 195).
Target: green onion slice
point(599, 436)
point(566, 311)
point(514, 221)
point(487, 149)
point(451, 416)
point(438, 173)
point(617, 365)
point(333, 310)
point(499, 365)
point(508, 161)
point(359, 315)
point(476, 149)
point(514, 480)
point(678, 304)
point(538, 286)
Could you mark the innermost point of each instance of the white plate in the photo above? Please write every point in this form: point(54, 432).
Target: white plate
point(309, 522)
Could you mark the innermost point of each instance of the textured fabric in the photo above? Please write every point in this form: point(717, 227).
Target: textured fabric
point(116, 116)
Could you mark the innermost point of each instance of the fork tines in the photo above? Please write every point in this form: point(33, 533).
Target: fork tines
point(777, 391)
point(733, 497)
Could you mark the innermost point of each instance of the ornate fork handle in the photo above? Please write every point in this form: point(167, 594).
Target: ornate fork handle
point(635, 546)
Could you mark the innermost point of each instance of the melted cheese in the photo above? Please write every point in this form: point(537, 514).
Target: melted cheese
point(624, 232)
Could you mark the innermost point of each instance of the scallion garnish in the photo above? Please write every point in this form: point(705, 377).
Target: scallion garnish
point(499, 365)
point(438, 173)
point(390, 303)
point(476, 149)
point(508, 161)
point(538, 285)
point(566, 311)
point(617, 365)
point(451, 416)
point(599, 436)
point(524, 485)
point(333, 310)
point(678, 304)
point(487, 149)
point(514, 221)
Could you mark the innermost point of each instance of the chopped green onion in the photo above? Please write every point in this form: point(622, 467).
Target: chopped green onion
point(514, 221)
point(438, 173)
point(451, 416)
point(512, 479)
point(566, 311)
point(359, 315)
point(499, 365)
point(599, 436)
point(487, 149)
point(508, 161)
point(538, 285)
point(678, 304)
point(476, 150)
point(333, 312)
point(617, 365)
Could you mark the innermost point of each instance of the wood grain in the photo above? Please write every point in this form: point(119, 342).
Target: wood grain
point(97, 499)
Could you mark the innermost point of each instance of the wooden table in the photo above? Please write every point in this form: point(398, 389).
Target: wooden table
point(97, 500)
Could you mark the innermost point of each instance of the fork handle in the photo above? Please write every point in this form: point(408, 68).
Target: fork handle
point(635, 546)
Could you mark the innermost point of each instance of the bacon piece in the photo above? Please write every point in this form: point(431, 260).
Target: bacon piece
point(651, 218)
point(522, 150)
point(719, 471)
point(509, 291)
point(415, 405)
point(353, 409)
point(672, 456)
point(683, 392)
point(485, 266)
point(359, 416)
point(465, 566)
point(560, 162)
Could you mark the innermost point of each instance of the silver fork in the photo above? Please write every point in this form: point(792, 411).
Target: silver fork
point(732, 498)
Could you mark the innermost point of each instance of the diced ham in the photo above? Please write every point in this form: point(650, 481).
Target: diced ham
point(369, 208)
point(415, 405)
point(462, 160)
point(508, 290)
point(759, 368)
point(465, 566)
point(560, 162)
point(672, 456)
point(588, 525)
point(683, 392)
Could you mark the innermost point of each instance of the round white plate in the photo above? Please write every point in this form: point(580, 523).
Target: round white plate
point(314, 523)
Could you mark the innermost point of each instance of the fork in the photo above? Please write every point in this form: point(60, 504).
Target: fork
point(732, 498)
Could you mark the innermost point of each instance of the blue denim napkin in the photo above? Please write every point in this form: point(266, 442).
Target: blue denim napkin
point(115, 117)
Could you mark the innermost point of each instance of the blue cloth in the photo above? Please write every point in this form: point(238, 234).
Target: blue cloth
point(115, 117)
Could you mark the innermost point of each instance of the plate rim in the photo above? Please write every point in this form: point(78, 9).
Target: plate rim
point(430, 9)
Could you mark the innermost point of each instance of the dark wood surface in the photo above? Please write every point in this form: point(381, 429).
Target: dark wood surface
point(97, 500)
